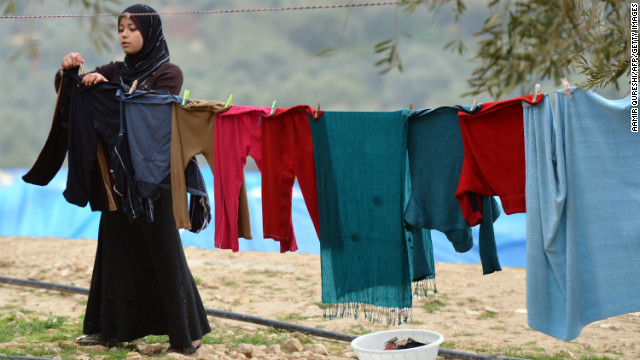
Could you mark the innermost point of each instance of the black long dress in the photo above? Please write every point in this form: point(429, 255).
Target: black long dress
point(141, 282)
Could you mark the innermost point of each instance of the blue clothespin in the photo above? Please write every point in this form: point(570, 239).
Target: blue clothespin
point(273, 107)
point(185, 97)
point(229, 100)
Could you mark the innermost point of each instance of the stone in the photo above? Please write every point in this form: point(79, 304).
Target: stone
point(316, 349)
point(245, 349)
point(291, 345)
point(273, 349)
point(20, 316)
point(151, 349)
point(66, 344)
point(134, 356)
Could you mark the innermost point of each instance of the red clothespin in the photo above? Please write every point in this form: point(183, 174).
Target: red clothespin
point(565, 83)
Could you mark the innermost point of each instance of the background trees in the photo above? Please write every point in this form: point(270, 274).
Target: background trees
point(451, 52)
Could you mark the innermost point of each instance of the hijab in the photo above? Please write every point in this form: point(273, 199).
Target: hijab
point(154, 51)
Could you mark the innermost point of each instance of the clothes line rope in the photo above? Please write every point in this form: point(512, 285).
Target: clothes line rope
point(206, 12)
point(28, 60)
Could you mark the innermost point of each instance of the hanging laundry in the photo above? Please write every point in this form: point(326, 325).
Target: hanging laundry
point(54, 151)
point(422, 259)
point(86, 124)
point(237, 135)
point(360, 168)
point(493, 164)
point(145, 135)
point(82, 120)
point(436, 156)
point(146, 123)
point(192, 133)
point(287, 154)
point(582, 212)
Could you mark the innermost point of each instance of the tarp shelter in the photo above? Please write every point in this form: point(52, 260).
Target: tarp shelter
point(42, 211)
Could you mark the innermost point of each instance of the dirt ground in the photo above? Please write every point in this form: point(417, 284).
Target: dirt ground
point(475, 313)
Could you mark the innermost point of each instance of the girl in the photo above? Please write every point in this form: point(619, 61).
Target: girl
point(141, 282)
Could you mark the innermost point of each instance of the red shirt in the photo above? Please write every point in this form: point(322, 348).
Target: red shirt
point(494, 165)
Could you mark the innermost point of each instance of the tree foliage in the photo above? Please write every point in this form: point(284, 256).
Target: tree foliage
point(521, 42)
point(530, 41)
point(100, 27)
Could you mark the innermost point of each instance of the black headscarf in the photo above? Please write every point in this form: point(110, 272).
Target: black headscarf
point(154, 52)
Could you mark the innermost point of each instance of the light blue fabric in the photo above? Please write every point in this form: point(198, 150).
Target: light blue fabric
point(583, 212)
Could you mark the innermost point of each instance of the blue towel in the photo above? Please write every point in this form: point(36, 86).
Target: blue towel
point(583, 206)
point(360, 162)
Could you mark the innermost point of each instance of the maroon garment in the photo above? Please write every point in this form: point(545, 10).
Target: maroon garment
point(493, 140)
point(287, 155)
point(168, 77)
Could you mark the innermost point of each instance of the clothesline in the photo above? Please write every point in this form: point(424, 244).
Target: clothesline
point(28, 60)
point(207, 12)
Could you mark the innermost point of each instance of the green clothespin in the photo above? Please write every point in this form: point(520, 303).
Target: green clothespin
point(229, 101)
point(185, 97)
point(273, 107)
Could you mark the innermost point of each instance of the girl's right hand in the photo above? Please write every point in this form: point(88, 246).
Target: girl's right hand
point(72, 60)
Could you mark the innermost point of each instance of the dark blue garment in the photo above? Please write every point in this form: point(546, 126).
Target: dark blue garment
point(145, 139)
point(436, 155)
point(146, 123)
point(85, 116)
point(54, 150)
point(94, 115)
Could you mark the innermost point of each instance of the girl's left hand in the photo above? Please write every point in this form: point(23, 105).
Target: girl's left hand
point(93, 78)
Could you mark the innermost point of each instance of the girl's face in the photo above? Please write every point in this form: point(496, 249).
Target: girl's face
point(130, 37)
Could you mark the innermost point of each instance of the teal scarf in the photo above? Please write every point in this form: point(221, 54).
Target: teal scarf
point(365, 251)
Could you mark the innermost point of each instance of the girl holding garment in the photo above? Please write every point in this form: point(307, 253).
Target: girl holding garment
point(141, 283)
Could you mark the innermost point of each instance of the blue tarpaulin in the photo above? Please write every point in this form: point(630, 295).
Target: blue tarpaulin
point(42, 211)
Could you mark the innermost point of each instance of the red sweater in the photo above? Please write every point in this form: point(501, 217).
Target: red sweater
point(493, 140)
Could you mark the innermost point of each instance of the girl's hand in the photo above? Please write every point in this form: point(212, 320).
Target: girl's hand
point(93, 78)
point(72, 60)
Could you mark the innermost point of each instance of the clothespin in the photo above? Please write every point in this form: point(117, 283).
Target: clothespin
point(565, 83)
point(273, 107)
point(473, 106)
point(410, 108)
point(536, 91)
point(133, 86)
point(82, 69)
point(229, 101)
point(185, 96)
point(318, 111)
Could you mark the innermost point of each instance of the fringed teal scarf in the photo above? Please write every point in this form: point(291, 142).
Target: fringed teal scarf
point(365, 251)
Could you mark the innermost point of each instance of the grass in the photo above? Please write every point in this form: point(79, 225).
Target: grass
point(12, 327)
point(37, 337)
point(435, 303)
point(294, 317)
point(487, 315)
point(231, 283)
